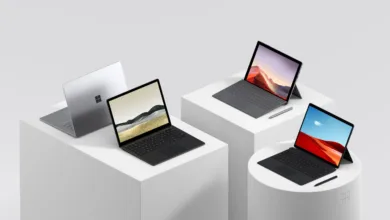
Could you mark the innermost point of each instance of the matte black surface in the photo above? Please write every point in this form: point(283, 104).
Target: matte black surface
point(285, 171)
point(249, 99)
point(162, 145)
point(297, 166)
point(295, 93)
point(347, 156)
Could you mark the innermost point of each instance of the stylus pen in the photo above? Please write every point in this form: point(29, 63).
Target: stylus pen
point(281, 112)
point(327, 180)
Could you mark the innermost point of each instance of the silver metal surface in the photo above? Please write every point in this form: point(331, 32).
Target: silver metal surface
point(86, 98)
point(281, 112)
point(60, 120)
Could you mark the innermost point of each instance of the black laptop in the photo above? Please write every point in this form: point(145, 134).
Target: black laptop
point(143, 127)
point(319, 147)
point(268, 83)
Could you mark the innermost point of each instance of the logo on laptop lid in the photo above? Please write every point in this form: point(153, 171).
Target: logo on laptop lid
point(98, 99)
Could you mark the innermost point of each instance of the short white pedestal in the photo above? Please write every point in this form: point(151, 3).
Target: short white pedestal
point(273, 197)
point(64, 178)
point(242, 133)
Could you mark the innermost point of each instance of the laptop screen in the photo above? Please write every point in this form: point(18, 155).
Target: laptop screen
point(273, 71)
point(138, 111)
point(324, 135)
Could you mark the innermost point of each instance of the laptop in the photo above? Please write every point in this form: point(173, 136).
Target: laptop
point(86, 101)
point(319, 148)
point(268, 83)
point(143, 127)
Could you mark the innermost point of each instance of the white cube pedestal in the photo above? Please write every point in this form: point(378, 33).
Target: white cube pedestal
point(64, 178)
point(273, 197)
point(244, 134)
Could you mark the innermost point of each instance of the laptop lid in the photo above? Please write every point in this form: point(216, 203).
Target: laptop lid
point(138, 112)
point(86, 97)
point(324, 135)
point(273, 71)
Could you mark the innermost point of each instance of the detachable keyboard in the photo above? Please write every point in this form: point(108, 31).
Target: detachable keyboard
point(152, 142)
point(302, 162)
point(249, 99)
point(255, 95)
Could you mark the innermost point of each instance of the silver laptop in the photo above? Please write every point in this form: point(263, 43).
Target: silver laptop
point(86, 98)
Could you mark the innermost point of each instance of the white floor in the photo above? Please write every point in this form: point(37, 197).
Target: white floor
point(343, 44)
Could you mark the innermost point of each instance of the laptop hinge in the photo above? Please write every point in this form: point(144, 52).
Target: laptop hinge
point(346, 156)
point(296, 94)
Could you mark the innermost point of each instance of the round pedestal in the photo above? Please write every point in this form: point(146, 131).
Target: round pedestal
point(272, 197)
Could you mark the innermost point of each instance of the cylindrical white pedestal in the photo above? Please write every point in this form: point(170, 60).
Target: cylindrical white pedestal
point(272, 197)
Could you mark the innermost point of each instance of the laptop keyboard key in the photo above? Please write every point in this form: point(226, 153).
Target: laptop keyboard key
point(300, 162)
point(151, 143)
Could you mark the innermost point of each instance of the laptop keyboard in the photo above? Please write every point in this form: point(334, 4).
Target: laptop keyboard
point(300, 162)
point(255, 95)
point(151, 143)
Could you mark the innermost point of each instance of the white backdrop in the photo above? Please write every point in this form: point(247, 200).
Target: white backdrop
point(344, 46)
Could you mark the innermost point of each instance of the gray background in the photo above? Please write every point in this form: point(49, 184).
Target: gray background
point(344, 46)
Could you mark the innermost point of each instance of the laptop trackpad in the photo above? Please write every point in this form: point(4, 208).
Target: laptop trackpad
point(154, 158)
point(285, 171)
point(171, 150)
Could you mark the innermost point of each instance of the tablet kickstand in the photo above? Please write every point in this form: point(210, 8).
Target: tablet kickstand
point(347, 156)
point(296, 94)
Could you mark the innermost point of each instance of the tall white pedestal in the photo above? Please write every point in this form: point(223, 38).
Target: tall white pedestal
point(272, 197)
point(64, 178)
point(242, 133)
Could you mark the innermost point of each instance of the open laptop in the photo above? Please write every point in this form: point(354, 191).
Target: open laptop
point(268, 83)
point(143, 127)
point(319, 147)
point(86, 100)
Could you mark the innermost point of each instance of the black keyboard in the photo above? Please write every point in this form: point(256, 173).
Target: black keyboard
point(152, 142)
point(255, 95)
point(300, 161)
